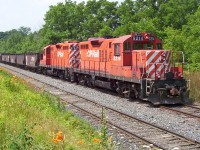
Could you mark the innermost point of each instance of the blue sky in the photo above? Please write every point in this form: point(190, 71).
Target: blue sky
point(27, 13)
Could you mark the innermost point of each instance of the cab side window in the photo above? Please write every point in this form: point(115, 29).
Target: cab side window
point(158, 46)
point(137, 46)
point(127, 46)
point(116, 50)
point(148, 46)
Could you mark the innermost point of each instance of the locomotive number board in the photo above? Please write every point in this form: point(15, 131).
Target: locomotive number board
point(141, 38)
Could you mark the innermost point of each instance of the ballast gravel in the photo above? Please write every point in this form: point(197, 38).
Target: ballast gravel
point(180, 124)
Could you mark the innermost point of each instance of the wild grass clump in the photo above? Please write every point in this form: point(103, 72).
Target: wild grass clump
point(33, 120)
point(195, 86)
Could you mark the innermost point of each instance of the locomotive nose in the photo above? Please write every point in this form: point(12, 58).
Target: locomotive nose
point(169, 95)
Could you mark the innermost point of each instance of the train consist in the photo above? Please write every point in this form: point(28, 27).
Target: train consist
point(133, 65)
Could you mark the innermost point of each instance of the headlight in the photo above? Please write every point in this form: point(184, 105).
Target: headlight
point(180, 75)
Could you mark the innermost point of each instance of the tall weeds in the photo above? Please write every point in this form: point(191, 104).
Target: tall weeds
point(195, 86)
point(33, 120)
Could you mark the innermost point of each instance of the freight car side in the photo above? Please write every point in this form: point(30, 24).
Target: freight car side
point(32, 61)
point(13, 59)
point(5, 58)
point(20, 60)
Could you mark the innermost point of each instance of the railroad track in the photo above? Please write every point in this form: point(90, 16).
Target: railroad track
point(188, 110)
point(139, 130)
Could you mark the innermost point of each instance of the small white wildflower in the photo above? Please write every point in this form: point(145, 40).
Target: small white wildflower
point(175, 148)
point(151, 145)
point(145, 146)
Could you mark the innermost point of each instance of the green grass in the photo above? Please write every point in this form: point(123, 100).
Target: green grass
point(31, 120)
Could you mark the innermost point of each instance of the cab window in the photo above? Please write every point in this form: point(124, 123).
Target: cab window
point(137, 46)
point(148, 46)
point(127, 46)
point(158, 46)
point(116, 50)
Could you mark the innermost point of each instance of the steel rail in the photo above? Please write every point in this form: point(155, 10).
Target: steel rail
point(184, 112)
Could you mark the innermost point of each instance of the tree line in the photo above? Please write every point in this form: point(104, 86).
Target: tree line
point(176, 22)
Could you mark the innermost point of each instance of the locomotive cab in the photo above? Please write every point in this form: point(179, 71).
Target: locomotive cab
point(160, 71)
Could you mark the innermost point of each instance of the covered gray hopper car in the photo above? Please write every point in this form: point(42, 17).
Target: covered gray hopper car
point(20, 60)
point(5, 58)
point(12, 58)
point(32, 60)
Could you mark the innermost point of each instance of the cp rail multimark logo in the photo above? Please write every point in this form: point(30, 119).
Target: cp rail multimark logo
point(93, 53)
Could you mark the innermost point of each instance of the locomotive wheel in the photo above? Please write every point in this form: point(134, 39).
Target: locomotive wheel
point(44, 71)
point(125, 91)
point(81, 80)
point(89, 81)
point(61, 75)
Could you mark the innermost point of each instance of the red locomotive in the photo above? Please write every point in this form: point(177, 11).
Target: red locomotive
point(134, 65)
point(60, 59)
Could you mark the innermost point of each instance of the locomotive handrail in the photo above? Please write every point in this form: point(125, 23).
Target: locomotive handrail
point(183, 56)
point(179, 62)
point(188, 81)
point(141, 63)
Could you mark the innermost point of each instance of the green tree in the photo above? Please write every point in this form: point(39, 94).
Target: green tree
point(191, 32)
point(172, 13)
point(100, 17)
point(20, 40)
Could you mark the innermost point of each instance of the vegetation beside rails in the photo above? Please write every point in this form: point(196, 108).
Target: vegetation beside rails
point(33, 120)
point(195, 86)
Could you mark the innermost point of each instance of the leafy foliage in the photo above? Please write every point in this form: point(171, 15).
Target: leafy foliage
point(21, 40)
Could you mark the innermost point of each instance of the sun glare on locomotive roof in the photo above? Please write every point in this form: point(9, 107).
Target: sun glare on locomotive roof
point(26, 13)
